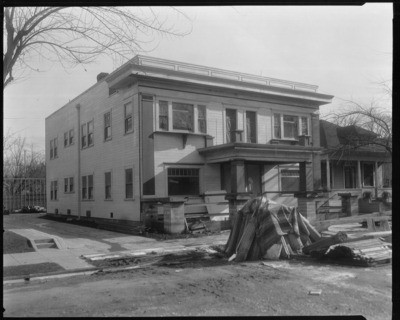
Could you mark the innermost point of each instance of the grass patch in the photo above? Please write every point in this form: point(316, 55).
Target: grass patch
point(14, 243)
point(31, 269)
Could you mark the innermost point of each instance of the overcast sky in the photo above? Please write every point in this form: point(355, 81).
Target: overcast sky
point(342, 49)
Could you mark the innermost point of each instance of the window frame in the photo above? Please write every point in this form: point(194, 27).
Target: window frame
point(87, 134)
point(126, 183)
point(108, 185)
point(54, 190)
point(177, 167)
point(282, 175)
point(202, 119)
point(363, 172)
point(106, 127)
point(278, 123)
point(128, 118)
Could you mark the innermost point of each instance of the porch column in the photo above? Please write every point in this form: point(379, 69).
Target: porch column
point(359, 181)
point(303, 176)
point(316, 166)
point(237, 176)
point(376, 178)
point(328, 175)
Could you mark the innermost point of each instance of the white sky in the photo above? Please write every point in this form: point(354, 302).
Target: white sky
point(342, 49)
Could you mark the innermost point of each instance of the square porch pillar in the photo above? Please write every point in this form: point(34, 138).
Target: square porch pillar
point(303, 176)
point(238, 176)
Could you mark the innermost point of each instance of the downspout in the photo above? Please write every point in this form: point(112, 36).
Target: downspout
point(78, 142)
point(140, 151)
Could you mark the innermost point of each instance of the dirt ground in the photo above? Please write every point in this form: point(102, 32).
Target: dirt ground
point(210, 286)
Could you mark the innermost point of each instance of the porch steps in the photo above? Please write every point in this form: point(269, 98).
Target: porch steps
point(45, 243)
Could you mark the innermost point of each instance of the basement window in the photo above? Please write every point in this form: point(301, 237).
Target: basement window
point(183, 181)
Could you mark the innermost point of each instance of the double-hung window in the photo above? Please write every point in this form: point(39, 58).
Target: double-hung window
point(69, 185)
point(87, 187)
point(53, 148)
point(128, 112)
point(87, 134)
point(107, 126)
point(129, 183)
point(53, 190)
point(68, 138)
point(201, 118)
point(163, 115)
point(289, 126)
point(107, 184)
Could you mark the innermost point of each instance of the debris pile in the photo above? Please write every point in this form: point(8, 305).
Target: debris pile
point(265, 229)
point(369, 252)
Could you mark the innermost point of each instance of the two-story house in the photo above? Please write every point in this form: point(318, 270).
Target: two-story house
point(155, 129)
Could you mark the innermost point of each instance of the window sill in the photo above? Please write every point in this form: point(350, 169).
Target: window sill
point(128, 133)
point(180, 132)
point(71, 192)
point(108, 139)
point(108, 200)
point(87, 200)
point(129, 199)
point(92, 145)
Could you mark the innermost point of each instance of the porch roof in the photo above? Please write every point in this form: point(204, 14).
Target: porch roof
point(258, 152)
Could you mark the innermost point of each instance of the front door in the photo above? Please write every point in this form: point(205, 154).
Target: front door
point(253, 179)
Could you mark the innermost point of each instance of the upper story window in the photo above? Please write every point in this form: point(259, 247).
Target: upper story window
point(128, 112)
point(87, 134)
point(53, 148)
point(68, 138)
point(182, 116)
point(163, 115)
point(290, 126)
point(107, 126)
point(202, 118)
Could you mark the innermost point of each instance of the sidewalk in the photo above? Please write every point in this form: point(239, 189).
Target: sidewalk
point(97, 245)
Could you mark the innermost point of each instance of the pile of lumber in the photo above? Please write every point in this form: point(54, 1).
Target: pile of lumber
point(264, 229)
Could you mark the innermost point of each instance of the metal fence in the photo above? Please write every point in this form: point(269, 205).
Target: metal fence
point(23, 192)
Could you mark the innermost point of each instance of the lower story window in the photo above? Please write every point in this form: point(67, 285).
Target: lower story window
point(290, 180)
point(128, 183)
point(53, 190)
point(87, 187)
point(182, 181)
point(368, 174)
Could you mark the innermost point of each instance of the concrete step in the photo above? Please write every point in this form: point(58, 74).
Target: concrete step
point(46, 245)
point(49, 240)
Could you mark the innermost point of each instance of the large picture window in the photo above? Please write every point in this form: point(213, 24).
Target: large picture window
point(182, 116)
point(368, 174)
point(290, 180)
point(183, 181)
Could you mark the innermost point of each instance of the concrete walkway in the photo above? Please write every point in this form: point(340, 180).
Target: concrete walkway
point(75, 243)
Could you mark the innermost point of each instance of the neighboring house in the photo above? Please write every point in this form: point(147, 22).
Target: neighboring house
point(156, 129)
point(346, 167)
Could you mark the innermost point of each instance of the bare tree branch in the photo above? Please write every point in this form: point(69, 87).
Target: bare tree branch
point(76, 35)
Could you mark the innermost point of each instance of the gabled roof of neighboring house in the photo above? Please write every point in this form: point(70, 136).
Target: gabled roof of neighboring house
point(334, 137)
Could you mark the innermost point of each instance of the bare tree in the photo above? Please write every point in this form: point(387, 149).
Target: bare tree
point(366, 125)
point(76, 35)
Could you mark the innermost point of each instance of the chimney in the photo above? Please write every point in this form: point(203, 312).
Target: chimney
point(101, 76)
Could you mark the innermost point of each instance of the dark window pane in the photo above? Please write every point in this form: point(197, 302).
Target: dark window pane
point(71, 184)
point(128, 183)
point(202, 119)
point(277, 126)
point(182, 116)
point(183, 181)
point(71, 136)
point(368, 172)
point(65, 139)
point(163, 115)
point(66, 185)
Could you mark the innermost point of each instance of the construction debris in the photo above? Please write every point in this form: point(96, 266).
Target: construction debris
point(265, 229)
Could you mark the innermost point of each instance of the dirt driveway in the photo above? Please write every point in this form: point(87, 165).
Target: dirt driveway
point(213, 288)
